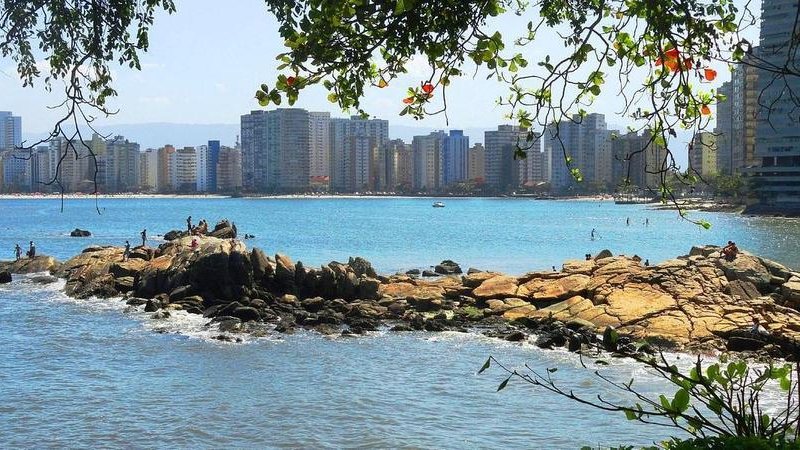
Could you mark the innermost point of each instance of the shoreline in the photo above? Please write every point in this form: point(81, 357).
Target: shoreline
point(697, 302)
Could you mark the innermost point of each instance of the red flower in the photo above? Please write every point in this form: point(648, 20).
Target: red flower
point(408, 100)
point(710, 74)
point(427, 88)
point(672, 53)
point(687, 63)
point(290, 80)
point(705, 110)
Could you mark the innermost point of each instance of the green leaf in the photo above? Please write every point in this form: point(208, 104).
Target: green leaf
point(630, 415)
point(715, 406)
point(552, 369)
point(485, 366)
point(705, 224)
point(785, 383)
point(332, 97)
point(504, 384)
point(681, 401)
point(665, 402)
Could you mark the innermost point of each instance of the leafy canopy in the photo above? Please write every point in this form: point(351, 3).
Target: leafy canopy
point(675, 47)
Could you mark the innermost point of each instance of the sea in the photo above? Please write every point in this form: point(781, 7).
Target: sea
point(96, 373)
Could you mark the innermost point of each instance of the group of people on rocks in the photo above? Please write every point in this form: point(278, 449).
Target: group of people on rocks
point(31, 253)
point(200, 230)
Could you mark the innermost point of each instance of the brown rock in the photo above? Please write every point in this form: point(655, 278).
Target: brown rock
point(562, 288)
point(499, 286)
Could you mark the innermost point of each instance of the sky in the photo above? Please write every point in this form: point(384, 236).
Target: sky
point(206, 61)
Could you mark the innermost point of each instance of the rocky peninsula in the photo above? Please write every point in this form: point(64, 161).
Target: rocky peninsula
point(696, 302)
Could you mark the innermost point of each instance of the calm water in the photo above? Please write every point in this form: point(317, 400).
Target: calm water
point(94, 374)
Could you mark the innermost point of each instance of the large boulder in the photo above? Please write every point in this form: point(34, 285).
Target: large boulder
point(447, 267)
point(31, 265)
point(5, 277)
point(77, 232)
point(747, 268)
point(499, 286)
point(224, 230)
point(362, 267)
point(175, 234)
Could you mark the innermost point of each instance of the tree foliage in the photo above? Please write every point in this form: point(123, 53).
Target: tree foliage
point(712, 402)
point(675, 48)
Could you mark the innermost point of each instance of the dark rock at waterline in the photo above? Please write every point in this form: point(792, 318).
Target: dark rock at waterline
point(429, 273)
point(136, 301)
point(362, 267)
point(515, 336)
point(448, 267)
point(175, 234)
point(151, 306)
point(603, 254)
point(77, 232)
point(413, 272)
point(246, 313)
point(5, 277)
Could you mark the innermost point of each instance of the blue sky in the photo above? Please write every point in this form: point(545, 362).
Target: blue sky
point(206, 61)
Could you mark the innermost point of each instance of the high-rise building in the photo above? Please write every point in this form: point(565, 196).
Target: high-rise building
point(166, 169)
point(737, 119)
point(255, 158)
point(229, 170)
point(777, 131)
point(277, 149)
point(15, 165)
point(703, 154)
point(358, 154)
point(320, 142)
point(501, 168)
point(40, 169)
point(400, 166)
point(212, 160)
point(638, 162)
point(148, 170)
point(532, 169)
point(10, 130)
point(72, 165)
point(586, 142)
point(427, 161)
point(122, 165)
point(455, 154)
point(476, 163)
point(183, 169)
point(201, 183)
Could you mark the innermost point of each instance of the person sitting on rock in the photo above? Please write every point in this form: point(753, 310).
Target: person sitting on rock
point(758, 329)
point(32, 250)
point(195, 245)
point(18, 251)
point(127, 252)
point(729, 251)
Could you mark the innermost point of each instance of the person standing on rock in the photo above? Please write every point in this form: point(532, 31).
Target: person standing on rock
point(18, 251)
point(593, 231)
point(189, 224)
point(127, 252)
point(32, 250)
point(144, 237)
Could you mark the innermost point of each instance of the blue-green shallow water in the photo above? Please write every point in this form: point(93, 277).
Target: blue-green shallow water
point(511, 235)
point(88, 374)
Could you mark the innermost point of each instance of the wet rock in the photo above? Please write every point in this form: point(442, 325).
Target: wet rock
point(401, 328)
point(413, 272)
point(515, 336)
point(151, 306)
point(136, 301)
point(447, 267)
point(5, 277)
point(228, 324)
point(429, 274)
point(603, 254)
point(246, 313)
point(161, 315)
point(77, 232)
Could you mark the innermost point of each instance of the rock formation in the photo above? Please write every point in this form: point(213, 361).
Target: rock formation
point(698, 301)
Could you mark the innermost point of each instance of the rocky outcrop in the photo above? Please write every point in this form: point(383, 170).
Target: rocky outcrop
point(5, 277)
point(37, 264)
point(77, 232)
point(447, 267)
point(696, 301)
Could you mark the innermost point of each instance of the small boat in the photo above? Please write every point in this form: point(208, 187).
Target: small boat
point(438, 204)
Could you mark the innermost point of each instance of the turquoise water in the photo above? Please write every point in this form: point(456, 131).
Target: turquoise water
point(93, 373)
point(511, 235)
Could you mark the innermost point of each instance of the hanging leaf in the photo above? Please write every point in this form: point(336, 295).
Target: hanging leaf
point(485, 365)
point(504, 384)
